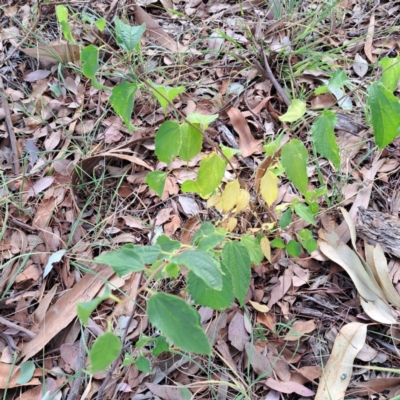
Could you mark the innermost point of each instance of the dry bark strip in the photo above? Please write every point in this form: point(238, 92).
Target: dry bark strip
point(377, 227)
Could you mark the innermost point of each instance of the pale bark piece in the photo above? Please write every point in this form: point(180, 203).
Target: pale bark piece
point(337, 374)
point(62, 313)
point(377, 227)
point(247, 143)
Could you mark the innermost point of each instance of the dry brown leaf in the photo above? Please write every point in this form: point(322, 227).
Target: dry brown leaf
point(289, 387)
point(237, 333)
point(155, 30)
point(368, 46)
point(300, 328)
point(51, 54)
point(338, 370)
point(247, 143)
point(259, 363)
point(64, 310)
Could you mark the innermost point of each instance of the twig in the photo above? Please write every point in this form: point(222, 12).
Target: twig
point(10, 129)
point(17, 327)
point(267, 73)
point(80, 364)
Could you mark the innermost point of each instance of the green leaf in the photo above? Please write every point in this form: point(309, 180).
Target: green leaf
point(165, 93)
point(206, 229)
point(307, 241)
point(104, 351)
point(62, 17)
point(90, 65)
point(172, 270)
point(253, 247)
point(62, 13)
point(229, 152)
point(161, 346)
point(385, 114)
point(27, 369)
point(128, 36)
point(285, 219)
point(324, 137)
point(294, 159)
point(144, 341)
point(179, 322)
point(278, 243)
point(293, 248)
point(295, 111)
point(210, 174)
point(191, 142)
point(168, 141)
point(205, 296)
point(337, 80)
point(101, 24)
point(85, 309)
point(207, 237)
point(128, 360)
point(156, 181)
point(202, 265)
point(236, 257)
point(305, 213)
point(143, 364)
point(391, 72)
point(122, 99)
point(168, 245)
point(148, 254)
point(203, 120)
point(122, 261)
point(190, 187)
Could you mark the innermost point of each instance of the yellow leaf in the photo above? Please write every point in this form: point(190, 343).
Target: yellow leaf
point(230, 195)
point(266, 248)
point(269, 187)
point(229, 224)
point(243, 200)
point(267, 226)
point(215, 201)
point(258, 306)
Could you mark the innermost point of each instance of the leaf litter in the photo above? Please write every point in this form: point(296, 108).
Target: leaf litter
point(306, 319)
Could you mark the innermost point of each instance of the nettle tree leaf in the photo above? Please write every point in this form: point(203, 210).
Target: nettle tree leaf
point(230, 195)
point(128, 36)
point(228, 152)
point(168, 245)
point(269, 187)
point(209, 176)
point(202, 265)
point(173, 139)
point(385, 113)
point(122, 261)
point(156, 181)
point(254, 248)
point(324, 138)
point(294, 159)
point(202, 120)
point(85, 309)
point(305, 213)
point(293, 248)
point(307, 241)
point(90, 65)
point(62, 17)
point(104, 351)
point(122, 100)
point(295, 111)
point(391, 72)
point(204, 295)
point(165, 93)
point(179, 322)
point(236, 257)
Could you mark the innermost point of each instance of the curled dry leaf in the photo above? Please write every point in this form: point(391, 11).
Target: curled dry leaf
point(372, 297)
point(247, 143)
point(338, 370)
